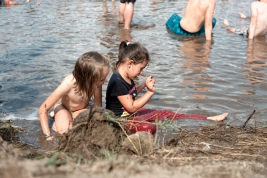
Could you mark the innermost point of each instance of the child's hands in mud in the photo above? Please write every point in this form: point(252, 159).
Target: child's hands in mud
point(150, 82)
point(48, 137)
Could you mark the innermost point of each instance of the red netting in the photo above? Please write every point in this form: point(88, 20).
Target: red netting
point(141, 120)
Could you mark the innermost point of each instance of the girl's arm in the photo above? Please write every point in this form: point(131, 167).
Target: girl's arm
point(98, 97)
point(141, 87)
point(61, 90)
point(133, 105)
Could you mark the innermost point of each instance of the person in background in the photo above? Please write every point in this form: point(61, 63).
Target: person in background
point(126, 11)
point(197, 20)
point(8, 2)
point(258, 21)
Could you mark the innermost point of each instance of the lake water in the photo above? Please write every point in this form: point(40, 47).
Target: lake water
point(39, 45)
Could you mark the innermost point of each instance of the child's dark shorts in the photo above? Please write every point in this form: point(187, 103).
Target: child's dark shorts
point(124, 1)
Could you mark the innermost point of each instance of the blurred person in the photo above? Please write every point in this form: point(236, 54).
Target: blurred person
point(258, 21)
point(197, 20)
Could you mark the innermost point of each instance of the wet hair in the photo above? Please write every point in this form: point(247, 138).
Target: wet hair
point(132, 51)
point(87, 71)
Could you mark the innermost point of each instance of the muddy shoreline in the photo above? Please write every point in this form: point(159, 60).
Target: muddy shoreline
point(217, 150)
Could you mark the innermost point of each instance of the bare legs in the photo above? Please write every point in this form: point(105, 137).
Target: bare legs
point(63, 118)
point(126, 11)
point(232, 29)
point(105, 9)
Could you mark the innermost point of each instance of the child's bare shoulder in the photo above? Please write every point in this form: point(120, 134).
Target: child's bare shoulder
point(68, 78)
point(69, 81)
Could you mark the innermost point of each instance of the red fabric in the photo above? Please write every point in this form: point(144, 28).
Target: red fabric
point(7, 3)
point(141, 121)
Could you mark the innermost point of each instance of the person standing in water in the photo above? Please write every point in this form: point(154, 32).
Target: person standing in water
point(126, 11)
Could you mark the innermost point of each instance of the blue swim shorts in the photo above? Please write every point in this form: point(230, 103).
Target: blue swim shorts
point(174, 25)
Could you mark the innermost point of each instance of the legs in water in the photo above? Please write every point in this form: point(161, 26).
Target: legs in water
point(126, 11)
point(232, 29)
point(226, 23)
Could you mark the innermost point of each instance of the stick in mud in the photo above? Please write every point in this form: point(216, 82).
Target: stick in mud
point(249, 118)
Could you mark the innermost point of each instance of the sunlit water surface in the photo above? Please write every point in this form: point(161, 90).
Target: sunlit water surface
point(39, 45)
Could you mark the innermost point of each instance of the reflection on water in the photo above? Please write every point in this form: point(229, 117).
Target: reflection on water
point(256, 60)
point(39, 45)
point(196, 53)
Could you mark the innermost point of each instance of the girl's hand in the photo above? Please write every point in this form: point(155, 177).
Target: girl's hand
point(150, 82)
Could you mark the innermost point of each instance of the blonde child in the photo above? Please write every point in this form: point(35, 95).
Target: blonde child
point(71, 97)
point(121, 95)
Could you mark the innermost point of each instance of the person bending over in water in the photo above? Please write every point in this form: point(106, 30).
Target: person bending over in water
point(122, 92)
point(197, 20)
point(258, 21)
point(71, 97)
point(8, 2)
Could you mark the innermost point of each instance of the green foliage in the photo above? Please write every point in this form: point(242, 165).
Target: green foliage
point(53, 161)
point(109, 155)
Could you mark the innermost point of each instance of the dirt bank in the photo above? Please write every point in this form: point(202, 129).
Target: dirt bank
point(95, 147)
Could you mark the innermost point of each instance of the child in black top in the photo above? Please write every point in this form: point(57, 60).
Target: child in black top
point(121, 91)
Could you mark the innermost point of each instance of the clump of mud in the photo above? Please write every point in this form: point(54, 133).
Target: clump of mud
point(92, 131)
point(8, 132)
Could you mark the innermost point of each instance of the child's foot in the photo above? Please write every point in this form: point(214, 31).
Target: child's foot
point(242, 16)
point(226, 23)
point(218, 117)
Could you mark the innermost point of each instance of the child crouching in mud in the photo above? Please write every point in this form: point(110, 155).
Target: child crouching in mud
point(122, 92)
point(72, 96)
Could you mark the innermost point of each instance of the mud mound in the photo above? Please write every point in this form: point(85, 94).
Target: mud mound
point(92, 131)
point(8, 132)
